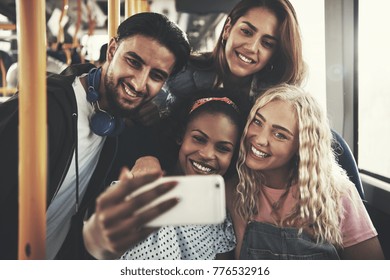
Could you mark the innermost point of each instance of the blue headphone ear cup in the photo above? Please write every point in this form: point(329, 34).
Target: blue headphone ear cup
point(119, 126)
point(102, 123)
point(92, 95)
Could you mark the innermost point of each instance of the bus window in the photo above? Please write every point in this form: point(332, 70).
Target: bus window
point(312, 26)
point(374, 95)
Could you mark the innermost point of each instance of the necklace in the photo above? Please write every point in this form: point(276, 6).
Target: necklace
point(276, 205)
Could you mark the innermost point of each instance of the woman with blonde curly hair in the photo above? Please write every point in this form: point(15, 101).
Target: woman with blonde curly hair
point(293, 201)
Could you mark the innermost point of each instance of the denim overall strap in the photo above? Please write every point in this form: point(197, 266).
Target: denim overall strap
point(264, 241)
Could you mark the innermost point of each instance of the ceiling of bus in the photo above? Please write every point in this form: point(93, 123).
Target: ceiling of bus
point(194, 17)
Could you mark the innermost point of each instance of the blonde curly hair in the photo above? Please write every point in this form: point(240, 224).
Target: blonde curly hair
point(321, 181)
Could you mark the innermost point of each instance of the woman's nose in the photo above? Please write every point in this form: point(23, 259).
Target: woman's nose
point(262, 140)
point(207, 152)
point(253, 45)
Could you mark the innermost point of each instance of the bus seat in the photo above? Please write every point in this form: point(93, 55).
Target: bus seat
point(347, 161)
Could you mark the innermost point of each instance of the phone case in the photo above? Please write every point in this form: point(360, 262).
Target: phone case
point(201, 200)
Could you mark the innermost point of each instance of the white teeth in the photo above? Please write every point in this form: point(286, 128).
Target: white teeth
point(201, 167)
point(259, 153)
point(245, 59)
point(128, 91)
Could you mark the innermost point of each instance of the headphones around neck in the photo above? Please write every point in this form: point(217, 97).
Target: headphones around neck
point(101, 122)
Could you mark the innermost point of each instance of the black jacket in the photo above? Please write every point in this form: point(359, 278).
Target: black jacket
point(62, 139)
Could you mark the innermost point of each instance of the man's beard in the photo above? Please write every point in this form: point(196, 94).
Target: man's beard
point(112, 96)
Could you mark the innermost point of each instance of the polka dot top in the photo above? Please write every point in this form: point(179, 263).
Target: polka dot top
point(185, 243)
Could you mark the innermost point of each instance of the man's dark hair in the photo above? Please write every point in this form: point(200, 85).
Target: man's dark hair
point(161, 29)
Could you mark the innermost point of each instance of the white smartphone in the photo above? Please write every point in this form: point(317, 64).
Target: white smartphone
point(201, 200)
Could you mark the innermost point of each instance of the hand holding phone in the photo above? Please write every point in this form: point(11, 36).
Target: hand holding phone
point(201, 200)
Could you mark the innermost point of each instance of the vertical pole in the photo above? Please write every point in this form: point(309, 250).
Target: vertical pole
point(64, 13)
point(136, 6)
point(129, 8)
point(145, 7)
point(31, 32)
point(114, 14)
point(78, 25)
point(3, 78)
